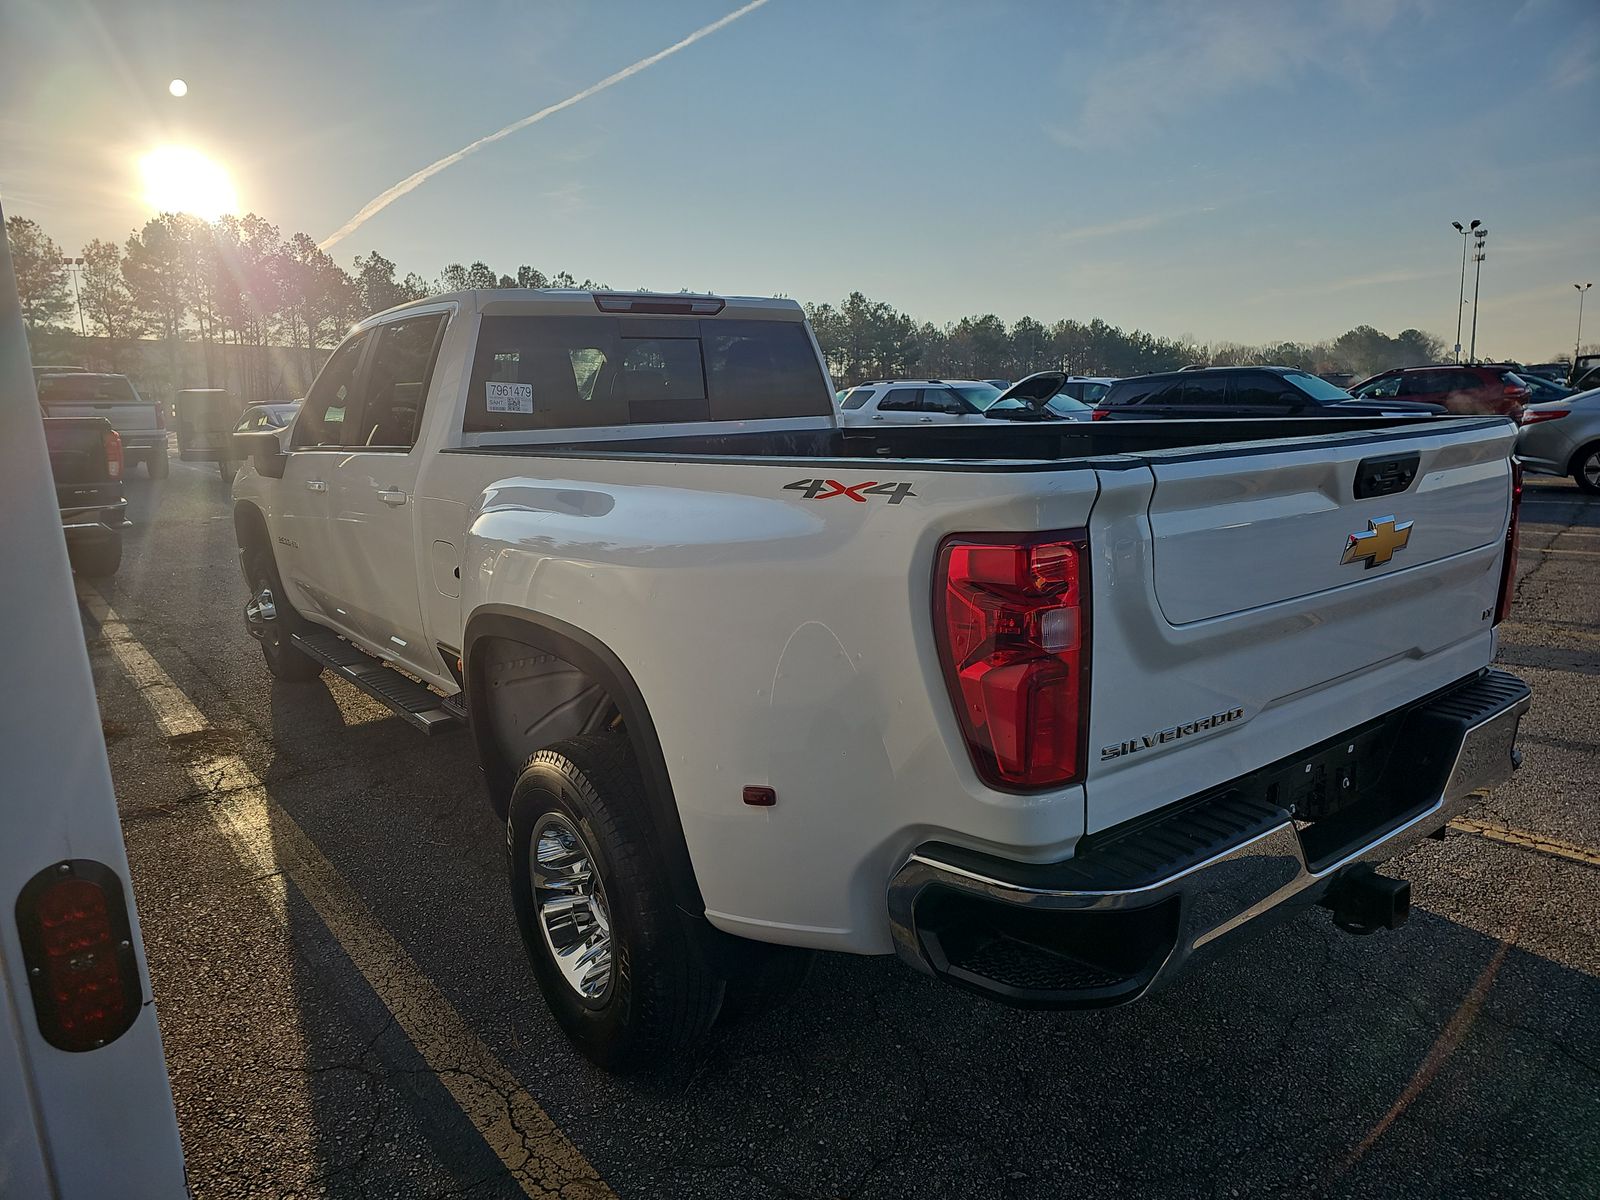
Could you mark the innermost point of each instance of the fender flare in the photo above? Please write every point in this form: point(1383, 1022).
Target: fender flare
point(597, 660)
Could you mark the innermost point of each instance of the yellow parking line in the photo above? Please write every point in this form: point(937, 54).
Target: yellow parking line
point(271, 845)
point(1554, 847)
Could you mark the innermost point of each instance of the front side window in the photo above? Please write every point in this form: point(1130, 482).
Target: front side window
point(322, 418)
point(1385, 388)
point(563, 372)
point(397, 382)
point(1316, 387)
point(945, 400)
point(1258, 389)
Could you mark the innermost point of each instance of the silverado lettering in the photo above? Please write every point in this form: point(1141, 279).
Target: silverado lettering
point(1171, 733)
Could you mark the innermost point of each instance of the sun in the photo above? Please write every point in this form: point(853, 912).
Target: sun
point(181, 179)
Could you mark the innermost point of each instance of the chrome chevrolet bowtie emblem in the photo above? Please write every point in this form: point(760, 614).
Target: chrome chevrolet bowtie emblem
point(1377, 544)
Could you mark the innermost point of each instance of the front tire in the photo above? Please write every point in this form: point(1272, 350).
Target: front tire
point(283, 660)
point(588, 887)
point(1586, 469)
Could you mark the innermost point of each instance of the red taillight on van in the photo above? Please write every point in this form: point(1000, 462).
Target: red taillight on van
point(1508, 566)
point(1011, 614)
point(72, 922)
point(113, 448)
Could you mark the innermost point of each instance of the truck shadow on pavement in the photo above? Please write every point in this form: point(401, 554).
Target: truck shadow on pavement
point(1431, 1061)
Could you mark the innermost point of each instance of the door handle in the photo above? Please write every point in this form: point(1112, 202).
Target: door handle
point(316, 485)
point(927, 420)
point(392, 496)
point(877, 418)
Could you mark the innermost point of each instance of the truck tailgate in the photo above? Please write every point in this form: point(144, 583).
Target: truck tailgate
point(1262, 606)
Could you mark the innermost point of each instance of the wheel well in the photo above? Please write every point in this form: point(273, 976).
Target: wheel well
point(533, 681)
point(1578, 455)
point(249, 526)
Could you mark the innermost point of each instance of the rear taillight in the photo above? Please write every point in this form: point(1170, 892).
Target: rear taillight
point(113, 447)
point(1508, 567)
point(161, 416)
point(1012, 617)
point(72, 922)
point(1533, 416)
point(1099, 414)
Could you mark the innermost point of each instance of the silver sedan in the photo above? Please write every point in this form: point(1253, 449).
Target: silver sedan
point(1562, 437)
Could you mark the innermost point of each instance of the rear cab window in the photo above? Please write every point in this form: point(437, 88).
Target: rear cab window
point(80, 388)
point(563, 372)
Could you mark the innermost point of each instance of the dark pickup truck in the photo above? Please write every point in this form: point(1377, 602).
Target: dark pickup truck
point(86, 460)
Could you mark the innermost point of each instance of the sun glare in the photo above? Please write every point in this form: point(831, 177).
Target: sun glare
point(181, 179)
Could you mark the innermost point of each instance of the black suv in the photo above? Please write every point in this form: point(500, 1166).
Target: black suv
point(1241, 392)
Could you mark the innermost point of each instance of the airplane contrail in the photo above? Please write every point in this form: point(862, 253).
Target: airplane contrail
point(381, 202)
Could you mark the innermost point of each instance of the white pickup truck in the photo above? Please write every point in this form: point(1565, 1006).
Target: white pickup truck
point(1045, 709)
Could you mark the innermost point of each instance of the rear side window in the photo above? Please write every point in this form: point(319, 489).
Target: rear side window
point(562, 372)
point(1206, 390)
point(397, 382)
point(1135, 391)
point(901, 400)
point(322, 419)
point(857, 398)
point(1438, 383)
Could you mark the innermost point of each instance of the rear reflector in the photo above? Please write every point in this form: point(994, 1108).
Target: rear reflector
point(72, 922)
point(1508, 566)
point(696, 306)
point(113, 448)
point(1011, 614)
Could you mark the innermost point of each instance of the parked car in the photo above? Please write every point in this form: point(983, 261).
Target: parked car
point(1042, 719)
point(1562, 437)
point(1588, 380)
point(1542, 390)
point(1219, 392)
point(205, 418)
point(139, 422)
point(917, 401)
point(1090, 389)
point(40, 372)
point(1555, 372)
point(1042, 396)
point(1582, 366)
point(1477, 389)
point(86, 464)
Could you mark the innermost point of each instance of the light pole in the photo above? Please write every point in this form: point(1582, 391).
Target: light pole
point(1478, 255)
point(1461, 300)
point(74, 268)
point(1577, 344)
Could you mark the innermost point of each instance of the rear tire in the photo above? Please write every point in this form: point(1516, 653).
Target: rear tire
point(158, 465)
point(582, 801)
point(1586, 469)
point(283, 660)
point(99, 559)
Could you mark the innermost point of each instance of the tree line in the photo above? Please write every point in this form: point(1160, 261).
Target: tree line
point(227, 300)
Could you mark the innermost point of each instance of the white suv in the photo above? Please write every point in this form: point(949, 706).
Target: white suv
point(917, 401)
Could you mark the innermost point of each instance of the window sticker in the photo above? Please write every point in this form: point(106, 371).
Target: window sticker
point(508, 397)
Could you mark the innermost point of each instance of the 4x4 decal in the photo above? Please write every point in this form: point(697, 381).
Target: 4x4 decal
point(827, 489)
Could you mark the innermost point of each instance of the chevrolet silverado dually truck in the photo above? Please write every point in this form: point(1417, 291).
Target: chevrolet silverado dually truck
point(1047, 710)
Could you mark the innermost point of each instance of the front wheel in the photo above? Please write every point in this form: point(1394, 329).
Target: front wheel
point(617, 963)
point(1586, 469)
point(273, 620)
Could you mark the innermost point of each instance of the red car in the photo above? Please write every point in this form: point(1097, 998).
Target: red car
point(1461, 389)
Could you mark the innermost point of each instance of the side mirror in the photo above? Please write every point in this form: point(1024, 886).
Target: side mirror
point(265, 446)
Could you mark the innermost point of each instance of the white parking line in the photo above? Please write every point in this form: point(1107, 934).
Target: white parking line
point(270, 846)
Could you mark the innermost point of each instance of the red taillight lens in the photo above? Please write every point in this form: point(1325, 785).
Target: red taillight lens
point(1012, 618)
point(1533, 416)
point(113, 445)
point(73, 926)
point(1508, 567)
point(1099, 414)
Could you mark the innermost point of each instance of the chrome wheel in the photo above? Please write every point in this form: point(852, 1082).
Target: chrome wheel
point(1589, 468)
point(571, 905)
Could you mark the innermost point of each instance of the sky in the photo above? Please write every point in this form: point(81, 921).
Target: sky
point(1249, 172)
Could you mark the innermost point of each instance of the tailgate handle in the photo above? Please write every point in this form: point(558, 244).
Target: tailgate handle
point(1386, 476)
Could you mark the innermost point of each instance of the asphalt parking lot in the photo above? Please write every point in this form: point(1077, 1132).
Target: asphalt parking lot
point(347, 1011)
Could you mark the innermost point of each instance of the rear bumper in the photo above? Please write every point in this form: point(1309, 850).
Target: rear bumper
point(94, 523)
point(1139, 901)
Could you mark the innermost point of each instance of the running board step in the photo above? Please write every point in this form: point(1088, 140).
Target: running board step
point(417, 703)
